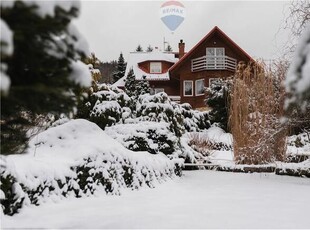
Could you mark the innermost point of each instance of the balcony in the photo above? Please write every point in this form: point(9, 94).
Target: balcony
point(214, 63)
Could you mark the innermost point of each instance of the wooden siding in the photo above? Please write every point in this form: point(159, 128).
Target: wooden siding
point(184, 72)
point(171, 87)
point(145, 66)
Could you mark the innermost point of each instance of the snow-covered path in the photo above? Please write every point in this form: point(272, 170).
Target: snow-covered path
point(200, 199)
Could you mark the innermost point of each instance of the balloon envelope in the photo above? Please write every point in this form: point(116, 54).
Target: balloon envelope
point(172, 14)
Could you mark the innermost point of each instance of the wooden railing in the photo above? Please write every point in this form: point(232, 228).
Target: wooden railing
point(214, 63)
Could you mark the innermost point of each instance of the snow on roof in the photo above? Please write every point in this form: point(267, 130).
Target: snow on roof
point(137, 57)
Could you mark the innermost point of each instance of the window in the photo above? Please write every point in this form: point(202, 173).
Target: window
point(215, 52)
point(200, 87)
point(159, 90)
point(155, 67)
point(188, 88)
point(212, 80)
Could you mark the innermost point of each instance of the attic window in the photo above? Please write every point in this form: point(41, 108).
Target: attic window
point(155, 67)
point(215, 52)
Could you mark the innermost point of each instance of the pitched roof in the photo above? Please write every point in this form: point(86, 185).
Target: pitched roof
point(213, 31)
point(137, 57)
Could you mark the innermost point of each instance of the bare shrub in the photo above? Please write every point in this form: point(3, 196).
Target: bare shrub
point(255, 111)
point(200, 144)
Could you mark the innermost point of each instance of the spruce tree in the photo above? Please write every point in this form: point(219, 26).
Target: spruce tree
point(149, 48)
point(218, 100)
point(130, 83)
point(142, 87)
point(139, 48)
point(39, 69)
point(120, 69)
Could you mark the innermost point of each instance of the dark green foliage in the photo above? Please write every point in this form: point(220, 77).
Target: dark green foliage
point(139, 48)
point(120, 69)
point(158, 108)
point(40, 81)
point(105, 107)
point(142, 87)
point(130, 83)
point(218, 99)
point(90, 176)
point(149, 48)
point(194, 120)
point(162, 141)
point(10, 204)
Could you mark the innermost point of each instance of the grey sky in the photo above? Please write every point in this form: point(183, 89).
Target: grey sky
point(111, 27)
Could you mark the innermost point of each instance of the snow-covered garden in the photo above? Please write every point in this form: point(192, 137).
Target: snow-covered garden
point(77, 153)
point(199, 199)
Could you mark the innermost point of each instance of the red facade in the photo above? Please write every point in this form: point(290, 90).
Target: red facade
point(215, 56)
point(183, 76)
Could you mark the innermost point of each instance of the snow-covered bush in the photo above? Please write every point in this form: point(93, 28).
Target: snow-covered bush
point(212, 139)
point(298, 147)
point(77, 159)
point(153, 137)
point(298, 78)
point(106, 107)
point(159, 108)
point(193, 120)
point(153, 123)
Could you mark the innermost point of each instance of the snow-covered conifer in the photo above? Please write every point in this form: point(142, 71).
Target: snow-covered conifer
point(139, 48)
point(45, 72)
point(120, 69)
point(218, 100)
point(142, 87)
point(130, 83)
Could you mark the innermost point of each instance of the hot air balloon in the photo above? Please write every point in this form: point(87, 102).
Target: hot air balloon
point(172, 14)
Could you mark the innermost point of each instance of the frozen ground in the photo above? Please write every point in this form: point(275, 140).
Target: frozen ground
point(200, 199)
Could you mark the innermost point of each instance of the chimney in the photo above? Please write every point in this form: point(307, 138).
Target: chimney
point(181, 49)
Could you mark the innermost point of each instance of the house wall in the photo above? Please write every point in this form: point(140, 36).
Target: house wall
point(184, 71)
point(171, 87)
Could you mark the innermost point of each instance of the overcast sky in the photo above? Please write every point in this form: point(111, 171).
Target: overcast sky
point(111, 27)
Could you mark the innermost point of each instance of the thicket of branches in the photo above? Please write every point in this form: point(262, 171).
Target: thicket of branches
point(255, 112)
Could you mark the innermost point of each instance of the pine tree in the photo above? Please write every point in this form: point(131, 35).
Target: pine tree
point(130, 83)
point(120, 69)
point(139, 48)
point(39, 69)
point(142, 87)
point(149, 48)
point(169, 48)
point(218, 100)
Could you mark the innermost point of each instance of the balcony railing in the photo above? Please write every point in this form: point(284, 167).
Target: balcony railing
point(214, 63)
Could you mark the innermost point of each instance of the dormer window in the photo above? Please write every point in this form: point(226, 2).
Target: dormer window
point(155, 67)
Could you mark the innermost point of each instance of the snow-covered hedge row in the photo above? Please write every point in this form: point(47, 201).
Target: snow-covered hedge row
point(110, 105)
point(153, 137)
point(77, 159)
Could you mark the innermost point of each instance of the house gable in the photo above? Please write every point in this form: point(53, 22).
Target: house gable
point(215, 38)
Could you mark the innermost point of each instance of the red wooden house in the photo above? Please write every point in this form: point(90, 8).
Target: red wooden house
point(184, 79)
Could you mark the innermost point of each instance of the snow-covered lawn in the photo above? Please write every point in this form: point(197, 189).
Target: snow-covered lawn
point(199, 199)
